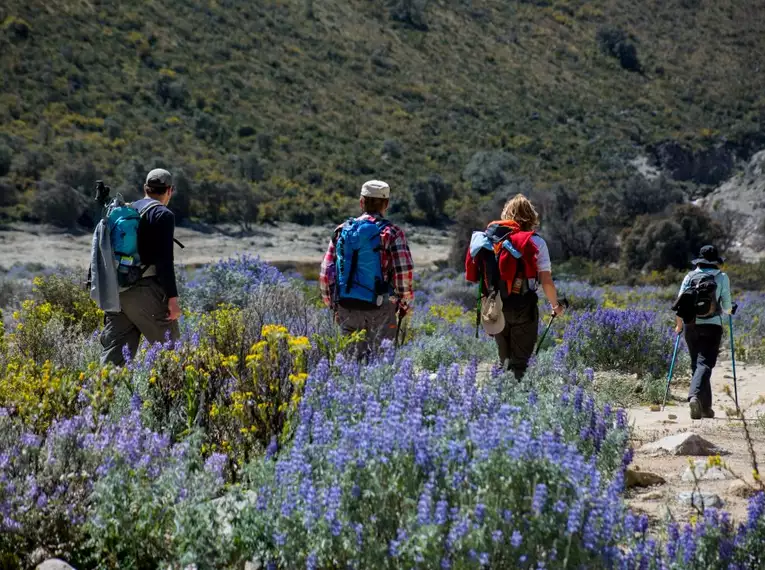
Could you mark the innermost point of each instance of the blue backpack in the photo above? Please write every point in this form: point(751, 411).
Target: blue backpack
point(359, 262)
point(122, 220)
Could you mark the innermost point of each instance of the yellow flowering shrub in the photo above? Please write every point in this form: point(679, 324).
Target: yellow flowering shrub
point(271, 390)
point(225, 329)
point(70, 300)
point(59, 306)
point(240, 403)
point(28, 331)
point(330, 345)
point(40, 393)
point(451, 312)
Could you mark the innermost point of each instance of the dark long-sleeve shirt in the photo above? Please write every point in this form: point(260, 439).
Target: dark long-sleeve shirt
point(155, 243)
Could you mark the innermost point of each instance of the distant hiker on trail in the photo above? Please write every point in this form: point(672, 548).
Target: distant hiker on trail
point(367, 272)
point(509, 261)
point(133, 274)
point(704, 297)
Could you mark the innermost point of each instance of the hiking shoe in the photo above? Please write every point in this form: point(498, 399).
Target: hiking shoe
point(695, 409)
point(708, 413)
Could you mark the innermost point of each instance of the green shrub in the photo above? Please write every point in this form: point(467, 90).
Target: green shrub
point(59, 205)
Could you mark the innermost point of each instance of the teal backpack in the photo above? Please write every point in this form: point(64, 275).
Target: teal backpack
point(359, 262)
point(122, 221)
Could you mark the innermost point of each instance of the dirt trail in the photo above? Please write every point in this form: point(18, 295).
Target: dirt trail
point(724, 432)
point(22, 244)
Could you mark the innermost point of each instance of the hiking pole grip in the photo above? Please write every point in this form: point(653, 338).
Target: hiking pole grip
point(102, 193)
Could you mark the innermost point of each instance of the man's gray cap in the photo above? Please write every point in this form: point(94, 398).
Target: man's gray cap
point(159, 178)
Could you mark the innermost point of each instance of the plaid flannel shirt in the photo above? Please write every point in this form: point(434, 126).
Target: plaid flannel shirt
point(397, 265)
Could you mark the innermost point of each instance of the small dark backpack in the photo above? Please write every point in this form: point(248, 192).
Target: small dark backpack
point(700, 300)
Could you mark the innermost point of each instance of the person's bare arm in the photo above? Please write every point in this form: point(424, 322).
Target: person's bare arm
point(546, 280)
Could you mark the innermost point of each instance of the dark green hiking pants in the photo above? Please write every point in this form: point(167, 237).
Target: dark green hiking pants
point(144, 312)
point(517, 341)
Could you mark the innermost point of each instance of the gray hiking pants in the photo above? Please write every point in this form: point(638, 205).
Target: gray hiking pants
point(144, 312)
point(704, 345)
point(379, 324)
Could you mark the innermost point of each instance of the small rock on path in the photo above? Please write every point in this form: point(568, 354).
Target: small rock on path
point(705, 473)
point(635, 478)
point(682, 444)
point(701, 500)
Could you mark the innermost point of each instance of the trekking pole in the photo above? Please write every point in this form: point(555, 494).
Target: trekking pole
point(400, 318)
point(733, 353)
point(478, 305)
point(671, 370)
point(564, 302)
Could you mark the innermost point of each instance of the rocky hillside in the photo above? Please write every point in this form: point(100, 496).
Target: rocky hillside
point(277, 109)
point(744, 196)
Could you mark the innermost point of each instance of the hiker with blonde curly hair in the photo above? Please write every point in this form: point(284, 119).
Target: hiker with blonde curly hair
point(511, 262)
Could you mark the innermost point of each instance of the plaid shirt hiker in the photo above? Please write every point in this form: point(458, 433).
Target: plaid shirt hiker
point(397, 265)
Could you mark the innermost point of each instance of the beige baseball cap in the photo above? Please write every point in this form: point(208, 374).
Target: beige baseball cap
point(375, 189)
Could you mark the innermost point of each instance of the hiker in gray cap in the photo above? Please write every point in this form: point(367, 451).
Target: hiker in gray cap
point(149, 304)
point(367, 273)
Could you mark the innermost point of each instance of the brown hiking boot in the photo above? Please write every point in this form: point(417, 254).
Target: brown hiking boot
point(695, 409)
point(708, 413)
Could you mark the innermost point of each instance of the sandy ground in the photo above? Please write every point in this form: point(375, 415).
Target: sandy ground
point(661, 501)
point(286, 243)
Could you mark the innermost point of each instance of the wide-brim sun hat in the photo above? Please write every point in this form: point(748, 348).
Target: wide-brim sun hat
point(709, 255)
point(492, 317)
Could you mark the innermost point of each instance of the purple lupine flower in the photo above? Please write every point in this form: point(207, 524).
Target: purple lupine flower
point(516, 539)
point(442, 509)
point(136, 404)
point(215, 465)
point(273, 447)
point(540, 497)
point(126, 354)
point(480, 513)
point(28, 440)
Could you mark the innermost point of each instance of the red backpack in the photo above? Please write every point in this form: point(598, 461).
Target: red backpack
point(510, 262)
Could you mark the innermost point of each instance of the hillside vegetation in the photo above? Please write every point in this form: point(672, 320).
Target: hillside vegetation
point(279, 109)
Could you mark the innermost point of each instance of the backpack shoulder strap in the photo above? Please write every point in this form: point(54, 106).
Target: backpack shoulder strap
point(148, 207)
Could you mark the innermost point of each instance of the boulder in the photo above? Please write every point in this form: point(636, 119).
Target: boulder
point(634, 478)
point(54, 564)
point(682, 444)
point(700, 499)
point(705, 473)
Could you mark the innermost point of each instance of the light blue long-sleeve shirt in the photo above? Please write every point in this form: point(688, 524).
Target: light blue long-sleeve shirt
point(723, 293)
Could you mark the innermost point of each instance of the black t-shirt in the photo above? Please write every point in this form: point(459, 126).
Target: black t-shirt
point(155, 243)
